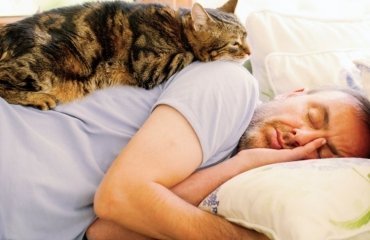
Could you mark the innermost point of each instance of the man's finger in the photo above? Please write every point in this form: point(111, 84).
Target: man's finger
point(311, 146)
point(303, 151)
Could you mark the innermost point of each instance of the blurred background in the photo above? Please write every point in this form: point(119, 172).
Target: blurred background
point(322, 8)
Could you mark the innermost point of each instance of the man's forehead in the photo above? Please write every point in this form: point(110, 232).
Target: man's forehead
point(327, 96)
point(335, 101)
point(331, 93)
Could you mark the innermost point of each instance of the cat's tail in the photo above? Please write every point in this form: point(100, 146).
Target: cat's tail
point(21, 86)
point(15, 40)
point(17, 92)
point(5, 44)
point(42, 101)
point(2, 48)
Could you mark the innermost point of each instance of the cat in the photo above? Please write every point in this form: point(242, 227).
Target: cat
point(66, 53)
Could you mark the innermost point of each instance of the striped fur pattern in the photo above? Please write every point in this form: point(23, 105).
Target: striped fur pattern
point(66, 53)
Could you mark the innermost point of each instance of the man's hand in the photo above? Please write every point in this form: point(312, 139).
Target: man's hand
point(263, 156)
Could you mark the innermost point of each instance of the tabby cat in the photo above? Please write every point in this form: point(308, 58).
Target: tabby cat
point(66, 53)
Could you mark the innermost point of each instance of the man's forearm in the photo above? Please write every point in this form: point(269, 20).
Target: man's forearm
point(193, 190)
point(106, 230)
point(198, 185)
point(173, 219)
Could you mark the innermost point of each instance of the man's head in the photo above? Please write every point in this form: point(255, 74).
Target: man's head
point(341, 116)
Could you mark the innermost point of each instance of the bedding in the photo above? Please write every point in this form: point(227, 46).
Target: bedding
point(303, 200)
point(326, 199)
point(291, 51)
point(357, 75)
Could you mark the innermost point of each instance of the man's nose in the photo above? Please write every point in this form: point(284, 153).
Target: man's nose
point(304, 136)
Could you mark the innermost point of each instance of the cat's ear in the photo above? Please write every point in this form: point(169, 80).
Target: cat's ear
point(229, 7)
point(199, 16)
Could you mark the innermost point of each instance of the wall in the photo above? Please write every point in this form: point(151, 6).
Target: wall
point(320, 8)
point(172, 3)
point(325, 8)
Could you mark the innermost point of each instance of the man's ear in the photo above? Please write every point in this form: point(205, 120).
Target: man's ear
point(291, 94)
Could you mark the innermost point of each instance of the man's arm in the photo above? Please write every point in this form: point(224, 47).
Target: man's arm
point(200, 184)
point(197, 186)
point(135, 192)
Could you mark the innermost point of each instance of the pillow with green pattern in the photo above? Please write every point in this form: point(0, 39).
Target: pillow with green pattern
point(326, 199)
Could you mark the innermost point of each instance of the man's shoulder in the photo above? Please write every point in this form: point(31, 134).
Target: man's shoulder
point(213, 76)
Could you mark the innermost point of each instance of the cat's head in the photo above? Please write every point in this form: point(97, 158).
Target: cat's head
point(216, 33)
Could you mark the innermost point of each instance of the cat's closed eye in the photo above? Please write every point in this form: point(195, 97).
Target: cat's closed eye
point(235, 43)
point(235, 46)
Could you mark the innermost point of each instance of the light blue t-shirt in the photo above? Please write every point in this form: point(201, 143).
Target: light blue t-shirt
point(51, 162)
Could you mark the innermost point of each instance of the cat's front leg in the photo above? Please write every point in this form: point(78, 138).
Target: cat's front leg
point(42, 101)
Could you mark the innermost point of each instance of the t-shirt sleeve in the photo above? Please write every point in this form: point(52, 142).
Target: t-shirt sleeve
point(218, 100)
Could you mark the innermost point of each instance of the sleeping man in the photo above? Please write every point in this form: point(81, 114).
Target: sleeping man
point(135, 153)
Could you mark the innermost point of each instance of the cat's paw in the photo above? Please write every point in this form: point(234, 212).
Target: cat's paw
point(42, 101)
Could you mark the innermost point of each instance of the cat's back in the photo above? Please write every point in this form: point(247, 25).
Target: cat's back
point(91, 24)
point(114, 12)
point(139, 17)
point(70, 18)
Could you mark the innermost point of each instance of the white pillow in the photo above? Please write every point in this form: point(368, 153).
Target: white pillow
point(290, 71)
point(326, 199)
point(357, 75)
point(363, 65)
point(288, 49)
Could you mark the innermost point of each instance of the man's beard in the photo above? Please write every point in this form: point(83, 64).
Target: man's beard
point(251, 138)
point(255, 136)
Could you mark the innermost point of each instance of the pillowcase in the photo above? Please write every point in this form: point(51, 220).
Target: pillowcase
point(357, 75)
point(363, 66)
point(294, 51)
point(290, 71)
point(326, 199)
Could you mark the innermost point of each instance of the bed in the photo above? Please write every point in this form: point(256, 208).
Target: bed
point(304, 200)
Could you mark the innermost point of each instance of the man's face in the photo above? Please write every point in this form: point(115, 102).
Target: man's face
point(296, 120)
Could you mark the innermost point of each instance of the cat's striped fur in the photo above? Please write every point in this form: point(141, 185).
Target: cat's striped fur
point(66, 53)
